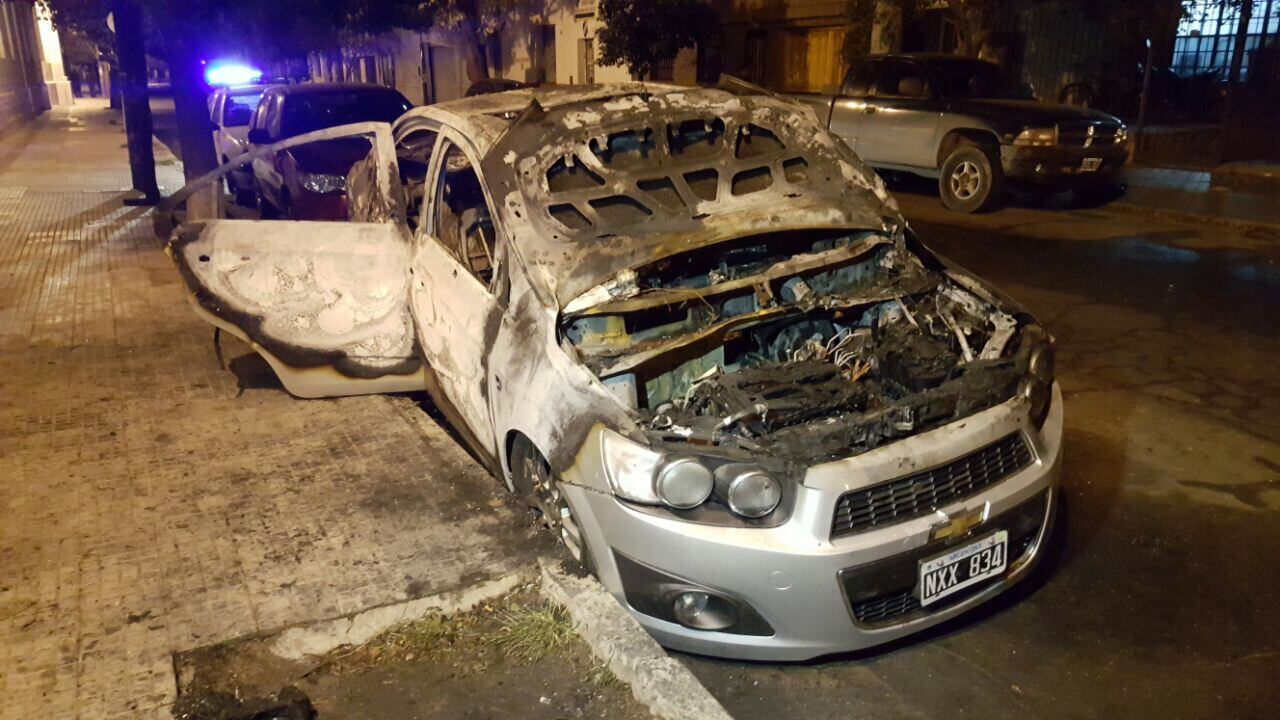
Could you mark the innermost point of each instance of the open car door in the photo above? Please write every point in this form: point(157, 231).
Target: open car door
point(324, 303)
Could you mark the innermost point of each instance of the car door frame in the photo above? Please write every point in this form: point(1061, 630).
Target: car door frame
point(434, 269)
point(847, 107)
point(879, 114)
point(267, 176)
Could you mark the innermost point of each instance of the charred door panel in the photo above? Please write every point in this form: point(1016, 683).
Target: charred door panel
point(326, 304)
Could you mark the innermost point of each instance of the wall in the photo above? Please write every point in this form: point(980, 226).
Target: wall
point(31, 75)
point(787, 45)
point(20, 81)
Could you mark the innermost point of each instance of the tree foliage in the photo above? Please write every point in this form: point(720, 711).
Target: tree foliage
point(638, 33)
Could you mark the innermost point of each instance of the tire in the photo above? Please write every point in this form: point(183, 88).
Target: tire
point(971, 179)
point(266, 210)
point(239, 195)
point(538, 487)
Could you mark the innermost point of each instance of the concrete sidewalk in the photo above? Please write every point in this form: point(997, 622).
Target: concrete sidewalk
point(152, 502)
point(1187, 194)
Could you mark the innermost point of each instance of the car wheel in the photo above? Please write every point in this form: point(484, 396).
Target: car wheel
point(266, 210)
point(539, 488)
point(971, 179)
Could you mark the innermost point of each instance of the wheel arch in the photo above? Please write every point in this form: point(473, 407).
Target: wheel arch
point(958, 136)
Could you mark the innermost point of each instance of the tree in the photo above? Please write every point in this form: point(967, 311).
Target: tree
point(639, 33)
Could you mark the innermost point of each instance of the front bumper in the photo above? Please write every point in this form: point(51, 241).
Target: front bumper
point(1063, 166)
point(799, 580)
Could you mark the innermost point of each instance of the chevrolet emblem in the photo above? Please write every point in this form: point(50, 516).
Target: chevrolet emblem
point(953, 526)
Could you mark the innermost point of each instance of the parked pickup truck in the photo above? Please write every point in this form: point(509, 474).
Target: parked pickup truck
point(963, 121)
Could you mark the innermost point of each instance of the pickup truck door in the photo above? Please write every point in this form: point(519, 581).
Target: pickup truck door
point(900, 117)
point(848, 107)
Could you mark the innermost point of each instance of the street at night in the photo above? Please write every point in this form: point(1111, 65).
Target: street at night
point(691, 359)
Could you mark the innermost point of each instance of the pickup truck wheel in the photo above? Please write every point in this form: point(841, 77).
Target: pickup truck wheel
point(537, 486)
point(971, 179)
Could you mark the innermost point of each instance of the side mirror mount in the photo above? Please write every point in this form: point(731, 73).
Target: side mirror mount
point(260, 136)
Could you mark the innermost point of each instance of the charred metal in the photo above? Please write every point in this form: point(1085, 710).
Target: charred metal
point(809, 346)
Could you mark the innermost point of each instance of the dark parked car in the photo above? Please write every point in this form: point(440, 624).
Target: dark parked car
point(309, 182)
point(494, 85)
point(965, 122)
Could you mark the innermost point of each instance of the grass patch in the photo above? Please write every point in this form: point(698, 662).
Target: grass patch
point(531, 633)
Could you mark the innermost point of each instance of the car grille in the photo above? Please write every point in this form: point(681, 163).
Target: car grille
point(1077, 134)
point(924, 492)
point(884, 592)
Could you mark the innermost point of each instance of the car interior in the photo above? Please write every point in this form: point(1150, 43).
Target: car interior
point(464, 223)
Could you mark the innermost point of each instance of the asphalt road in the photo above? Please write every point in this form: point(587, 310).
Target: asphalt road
point(1160, 602)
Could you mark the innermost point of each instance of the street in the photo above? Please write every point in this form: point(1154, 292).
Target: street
point(1160, 603)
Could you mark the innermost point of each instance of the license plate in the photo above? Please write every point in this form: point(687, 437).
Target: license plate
point(1090, 164)
point(943, 575)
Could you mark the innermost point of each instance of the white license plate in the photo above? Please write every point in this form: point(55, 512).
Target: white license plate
point(1090, 164)
point(943, 575)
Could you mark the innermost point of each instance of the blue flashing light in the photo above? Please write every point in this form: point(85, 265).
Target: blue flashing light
point(231, 73)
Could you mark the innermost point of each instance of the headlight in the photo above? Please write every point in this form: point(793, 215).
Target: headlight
point(1037, 137)
point(1038, 394)
point(1122, 134)
point(321, 184)
point(754, 494)
point(1041, 364)
point(630, 468)
point(684, 483)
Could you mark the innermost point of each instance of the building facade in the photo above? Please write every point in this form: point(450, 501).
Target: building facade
point(31, 76)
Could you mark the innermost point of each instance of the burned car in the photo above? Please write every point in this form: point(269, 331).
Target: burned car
point(693, 332)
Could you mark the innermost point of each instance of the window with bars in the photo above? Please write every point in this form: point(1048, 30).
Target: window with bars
point(663, 70)
point(1207, 36)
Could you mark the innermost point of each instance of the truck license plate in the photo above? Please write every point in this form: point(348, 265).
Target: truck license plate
point(958, 569)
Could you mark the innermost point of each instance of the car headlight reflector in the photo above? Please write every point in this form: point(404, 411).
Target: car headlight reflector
point(629, 468)
point(1037, 137)
point(754, 494)
point(1041, 364)
point(1122, 134)
point(1038, 394)
point(322, 184)
point(684, 483)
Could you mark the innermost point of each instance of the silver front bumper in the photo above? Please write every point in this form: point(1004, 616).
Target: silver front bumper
point(791, 574)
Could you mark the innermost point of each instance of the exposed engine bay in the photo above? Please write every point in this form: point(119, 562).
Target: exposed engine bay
point(804, 346)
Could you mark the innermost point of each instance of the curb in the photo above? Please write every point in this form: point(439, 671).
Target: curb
point(321, 637)
point(657, 680)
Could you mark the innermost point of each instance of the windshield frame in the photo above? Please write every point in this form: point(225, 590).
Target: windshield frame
point(294, 120)
point(938, 68)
